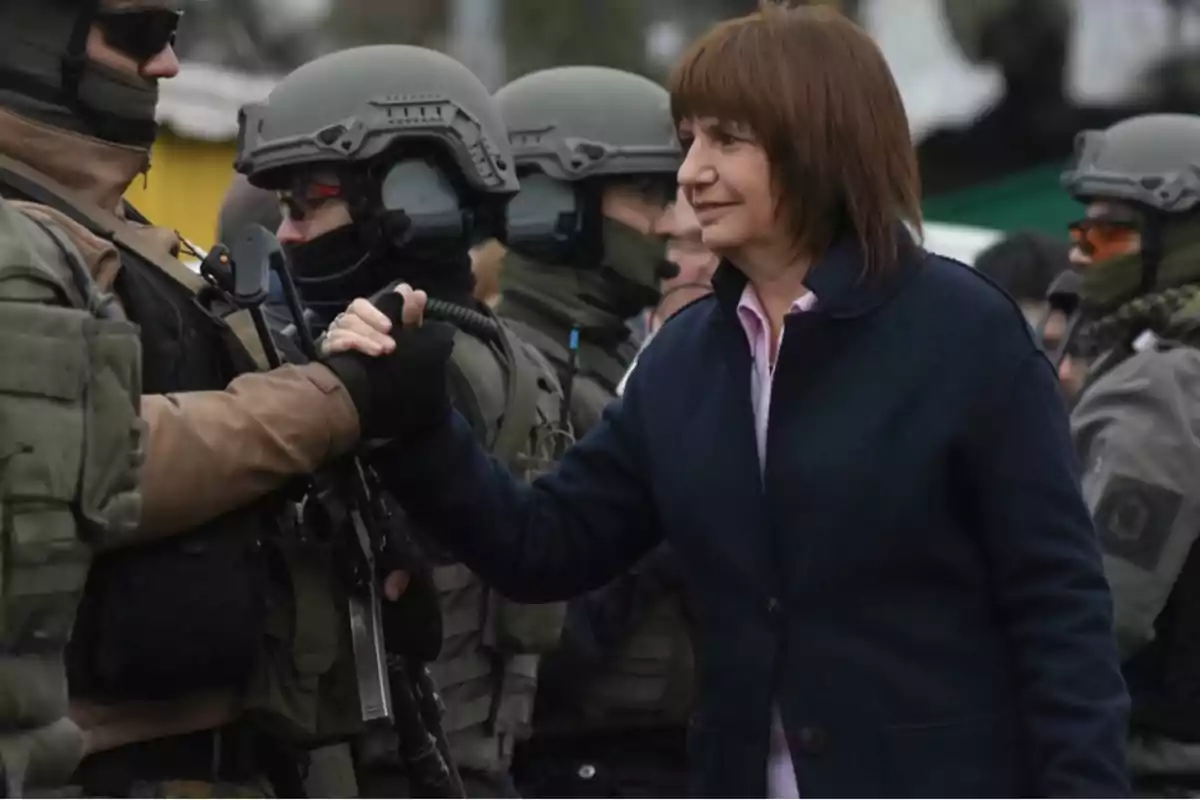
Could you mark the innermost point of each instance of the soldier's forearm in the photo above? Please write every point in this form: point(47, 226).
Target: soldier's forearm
point(209, 453)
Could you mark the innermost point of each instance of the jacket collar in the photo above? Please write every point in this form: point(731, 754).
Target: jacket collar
point(836, 278)
point(96, 170)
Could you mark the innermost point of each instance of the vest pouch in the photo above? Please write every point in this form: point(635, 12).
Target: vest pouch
point(43, 381)
point(114, 434)
point(179, 615)
point(514, 716)
point(304, 682)
point(483, 733)
point(516, 628)
point(651, 678)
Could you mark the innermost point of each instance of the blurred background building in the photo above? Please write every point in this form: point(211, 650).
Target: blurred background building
point(995, 89)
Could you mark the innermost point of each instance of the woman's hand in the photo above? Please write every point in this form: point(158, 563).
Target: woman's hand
point(365, 328)
point(391, 363)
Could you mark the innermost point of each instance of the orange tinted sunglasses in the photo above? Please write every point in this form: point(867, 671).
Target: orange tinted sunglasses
point(1102, 238)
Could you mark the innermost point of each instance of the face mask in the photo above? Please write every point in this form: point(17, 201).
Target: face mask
point(335, 268)
point(126, 102)
point(635, 256)
point(330, 271)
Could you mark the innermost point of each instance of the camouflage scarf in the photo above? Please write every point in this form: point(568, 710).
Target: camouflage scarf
point(1116, 307)
point(1112, 284)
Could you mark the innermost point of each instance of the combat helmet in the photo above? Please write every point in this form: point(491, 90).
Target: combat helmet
point(580, 122)
point(1150, 161)
point(415, 137)
point(574, 130)
point(352, 106)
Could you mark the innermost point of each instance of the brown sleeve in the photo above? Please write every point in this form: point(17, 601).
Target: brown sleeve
point(106, 727)
point(211, 452)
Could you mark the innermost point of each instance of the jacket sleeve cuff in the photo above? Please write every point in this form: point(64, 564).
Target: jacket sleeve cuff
point(345, 427)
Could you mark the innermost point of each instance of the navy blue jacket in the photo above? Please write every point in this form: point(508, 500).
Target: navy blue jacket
point(915, 579)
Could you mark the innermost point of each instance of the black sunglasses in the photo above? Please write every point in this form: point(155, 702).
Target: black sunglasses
point(140, 33)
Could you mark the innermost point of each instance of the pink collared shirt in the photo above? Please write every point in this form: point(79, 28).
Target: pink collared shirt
point(781, 773)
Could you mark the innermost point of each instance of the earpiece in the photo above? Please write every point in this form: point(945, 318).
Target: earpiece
point(419, 201)
point(545, 219)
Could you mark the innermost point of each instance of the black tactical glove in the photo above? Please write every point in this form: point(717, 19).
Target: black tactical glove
point(403, 393)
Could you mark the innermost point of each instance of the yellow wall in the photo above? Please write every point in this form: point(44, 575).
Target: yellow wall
point(185, 186)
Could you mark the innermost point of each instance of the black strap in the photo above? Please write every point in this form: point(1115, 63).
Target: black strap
point(75, 58)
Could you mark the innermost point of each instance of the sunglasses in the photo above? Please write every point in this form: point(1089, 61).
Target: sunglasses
point(299, 204)
point(1101, 238)
point(140, 33)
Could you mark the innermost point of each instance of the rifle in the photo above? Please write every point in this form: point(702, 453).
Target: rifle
point(343, 505)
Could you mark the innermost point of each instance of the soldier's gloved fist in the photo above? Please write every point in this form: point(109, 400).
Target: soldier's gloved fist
point(401, 392)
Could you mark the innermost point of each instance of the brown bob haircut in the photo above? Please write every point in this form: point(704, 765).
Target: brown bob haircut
point(817, 93)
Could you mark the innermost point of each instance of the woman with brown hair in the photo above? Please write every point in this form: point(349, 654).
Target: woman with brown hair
point(855, 448)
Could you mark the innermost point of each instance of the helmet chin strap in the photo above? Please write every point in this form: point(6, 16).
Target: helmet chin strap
point(1152, 252)
point(75, 58)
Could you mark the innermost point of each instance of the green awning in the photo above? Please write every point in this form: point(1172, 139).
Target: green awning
point(1030, 200)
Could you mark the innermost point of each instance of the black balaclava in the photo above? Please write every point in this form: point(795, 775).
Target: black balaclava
point(334, 269)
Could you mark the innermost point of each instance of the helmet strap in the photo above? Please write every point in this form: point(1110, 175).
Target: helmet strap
point(1151, 251)
point(75, 58)
point(589, 249)
point(361, 193)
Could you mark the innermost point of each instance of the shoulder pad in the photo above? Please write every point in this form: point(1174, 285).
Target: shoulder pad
point(34, 261)
point(1155, 376)
point(547, 376)
point(554, 351)
point(100, 256)
point(477, 382)
point(550, 391)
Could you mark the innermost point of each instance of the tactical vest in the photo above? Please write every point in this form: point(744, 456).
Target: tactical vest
point(487, 670)
point(181, 613)
point(70, 453)
point(651, 678)
point(603, 366)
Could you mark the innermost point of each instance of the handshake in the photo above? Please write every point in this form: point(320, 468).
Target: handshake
point(392, 363)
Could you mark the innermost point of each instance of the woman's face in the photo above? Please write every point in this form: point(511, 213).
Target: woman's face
point(726, 177)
